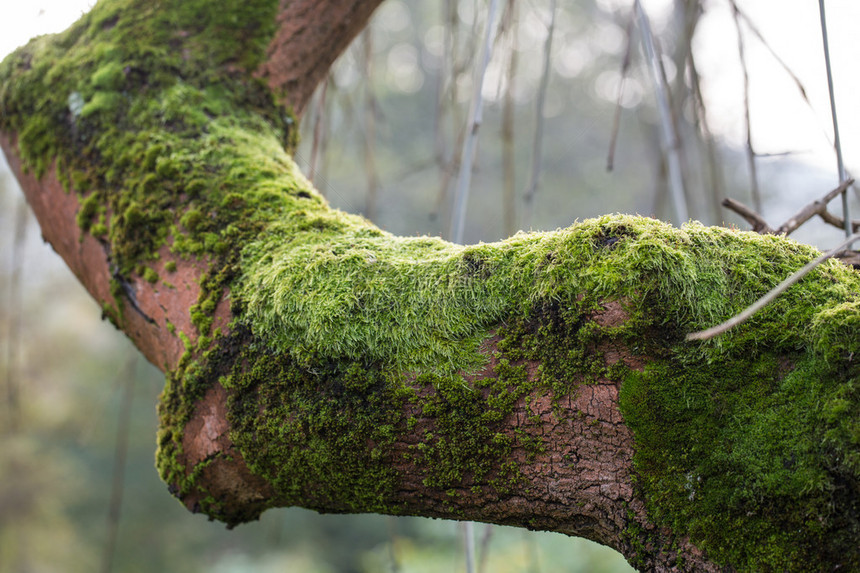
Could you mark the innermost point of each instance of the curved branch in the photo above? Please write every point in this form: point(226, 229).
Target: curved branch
point(311, 35)
point(315, 360)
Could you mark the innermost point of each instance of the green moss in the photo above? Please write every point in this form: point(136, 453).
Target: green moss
point(748, 445)
point(99, 230)
point(186, 341)
point(149, 275)
point(89, 208)
point(105, 103)
point(737, 426)
point(108, 77)
point(170, 266)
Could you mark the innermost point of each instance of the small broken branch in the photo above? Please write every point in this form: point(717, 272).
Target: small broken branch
point(817, 207)
point(759, 225)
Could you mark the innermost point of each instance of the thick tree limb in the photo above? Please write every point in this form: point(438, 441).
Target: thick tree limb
point(315, 360)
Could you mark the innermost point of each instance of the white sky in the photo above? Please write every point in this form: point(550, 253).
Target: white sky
point(781, 120)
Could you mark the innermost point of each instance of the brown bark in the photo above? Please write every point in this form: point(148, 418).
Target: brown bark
point(156, 304)
point(311, 35)
point(581, 484)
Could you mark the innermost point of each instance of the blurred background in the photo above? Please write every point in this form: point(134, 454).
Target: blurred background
point(568, 85)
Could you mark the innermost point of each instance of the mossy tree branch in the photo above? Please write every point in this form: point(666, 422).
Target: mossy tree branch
point(314, 360)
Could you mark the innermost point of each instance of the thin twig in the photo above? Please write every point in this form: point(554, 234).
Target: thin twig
point(508, 159)
point(13, 340)
point(461, 197)
point(667, 125)
point(120, 453)
point(759, 225)
point(846, 210)
point(817, 207)
point(751, 157)
point(537, 144)
point(770, 296)
point(370, 108)
point(318, 125)
point(838, 222)
point(616, 120)
point(801, 88)
point(758, 34)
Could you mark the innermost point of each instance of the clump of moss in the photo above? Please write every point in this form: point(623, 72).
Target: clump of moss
point(731, 435)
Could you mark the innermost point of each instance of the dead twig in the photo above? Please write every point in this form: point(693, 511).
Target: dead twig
point(846, 211)
point(771, 295)
point(751, 26)
point(668, 129)
point(537, 144)
point(817, 207)
point(751, 155)
point(838, 222)
point(759, 225)
point(616, 120)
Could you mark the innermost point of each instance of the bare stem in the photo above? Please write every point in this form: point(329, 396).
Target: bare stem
point(537, 144)
point(616, 120)
point(461, 198)
point(754, 188)
point(846, 210)
point(369, 128)
point(667, 125)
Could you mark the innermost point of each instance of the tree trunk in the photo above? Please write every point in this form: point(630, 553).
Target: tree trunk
point(314, 360)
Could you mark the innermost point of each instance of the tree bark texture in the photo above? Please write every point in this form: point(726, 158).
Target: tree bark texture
point(314, 360)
